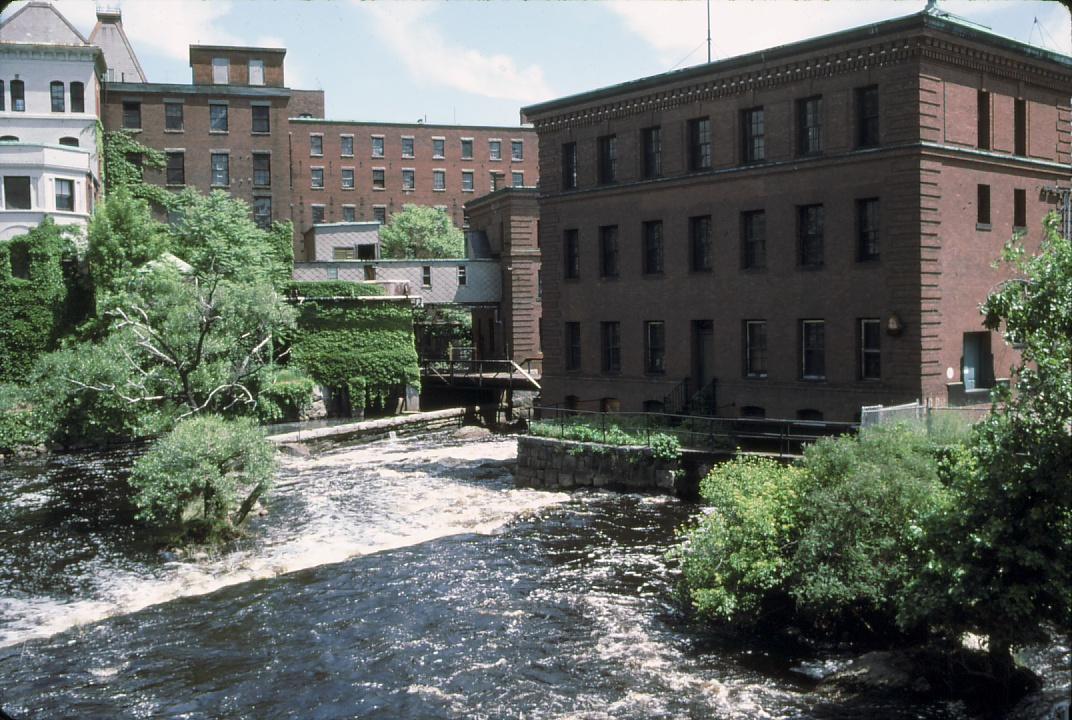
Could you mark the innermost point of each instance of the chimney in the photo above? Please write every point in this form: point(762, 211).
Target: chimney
point(109, 15)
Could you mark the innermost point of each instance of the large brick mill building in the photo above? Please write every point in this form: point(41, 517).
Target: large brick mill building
point(800, 231)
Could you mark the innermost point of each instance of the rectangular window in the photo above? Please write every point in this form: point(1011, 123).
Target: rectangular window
point(176, 168)
point(347, 178)
point(812, 350)
point(496, 180)
point(569, 166)
point(651, 142)
point(439, 180)
point(653, 247)
point(654, 347)
point(379, 181)
point(58, 93)
point(64, 194)
point(754, 239)
point(318, 214)
point(379, 214)
point(610, 342)
point(608, 159)
point(377, 146)
point(571, 255)
point(867, 247)
point(217, 117)
point(870, 349)
point(78, 97)
point(343, 253)
point(462, 279)
point(316, 178)
point(700, 243)
point(495, 149)
point(517, 150)
point(2, 96)
point(983, 115)
point(221, 71)
point(1020, 127)
point(18, 101)
point(409, 180)
point(810, 126)
point(16, 193)
point(172, 116)
point(256, 72)
point(349, 213)
point(699, 131)
point(332, 273)
point(316, 145)
point(407, 147)
point(1019, 208)
point(439, 146)
point(810, 235)
point(753, 142)
point(867, 116)
point(573, 346)
point(517, 179)
point(261, 122)
point(221, 169)
point(346, 145)
point(983, 205)
point(426, 276)
point(262, 170)
point(262, 212)
point(467, 148)
point(608, 251)
point(467, 181)
point(755, 348)
point(131, 112)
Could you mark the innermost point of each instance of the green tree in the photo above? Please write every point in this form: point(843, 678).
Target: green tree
point(122, 236)
point(1001, 557)
point(204, 476)
point(420, 231)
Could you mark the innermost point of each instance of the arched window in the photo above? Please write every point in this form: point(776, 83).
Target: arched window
point(69, 141)
point(18, 96)
point(55, 89)
point(8, 138)
point(78, 97)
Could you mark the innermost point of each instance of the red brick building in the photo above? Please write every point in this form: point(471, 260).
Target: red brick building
point(228, 130)
point(800, 231)
point(345, 171)
point(505, 225)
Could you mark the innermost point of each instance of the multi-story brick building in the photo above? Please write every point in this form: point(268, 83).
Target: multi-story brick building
point(504, 225)
point(227, 130)
point(345, 171)
point(799, 231)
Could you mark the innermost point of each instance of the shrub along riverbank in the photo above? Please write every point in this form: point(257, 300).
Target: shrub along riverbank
point(900, 536)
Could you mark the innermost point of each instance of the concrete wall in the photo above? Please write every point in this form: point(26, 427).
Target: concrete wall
point(325, 238)
point(482, 281)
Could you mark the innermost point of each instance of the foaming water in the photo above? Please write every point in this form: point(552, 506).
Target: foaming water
point(323, 510)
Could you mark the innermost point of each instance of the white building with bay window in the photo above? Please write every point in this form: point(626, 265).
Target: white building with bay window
point(49, 105)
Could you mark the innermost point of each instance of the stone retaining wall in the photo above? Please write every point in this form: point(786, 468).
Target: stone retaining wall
point(563, 464)
point(368, 430)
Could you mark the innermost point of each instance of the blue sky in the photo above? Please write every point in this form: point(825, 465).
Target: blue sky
point(479, 62)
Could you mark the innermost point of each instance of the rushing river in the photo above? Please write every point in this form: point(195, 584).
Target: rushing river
point(400, 579)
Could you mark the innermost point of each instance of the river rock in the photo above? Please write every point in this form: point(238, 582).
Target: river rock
point(878, 671)
point(471, 432)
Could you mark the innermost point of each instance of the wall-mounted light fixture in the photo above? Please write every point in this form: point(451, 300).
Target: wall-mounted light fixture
point(894, 326)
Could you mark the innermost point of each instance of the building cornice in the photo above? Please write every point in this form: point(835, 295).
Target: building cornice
point(954, 45)
point(410, 126)
point(190, 89)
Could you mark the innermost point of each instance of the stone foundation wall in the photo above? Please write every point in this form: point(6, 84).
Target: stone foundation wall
point(564, 464)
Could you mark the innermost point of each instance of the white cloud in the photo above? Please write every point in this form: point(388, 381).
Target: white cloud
point(407, 29)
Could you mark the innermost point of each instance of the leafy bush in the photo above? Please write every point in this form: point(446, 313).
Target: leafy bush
point(862, 525)
point(122, 236)
point(20, 426)
point(735, 561)
point(665, 447)
point(283, 393)
point(204, 476)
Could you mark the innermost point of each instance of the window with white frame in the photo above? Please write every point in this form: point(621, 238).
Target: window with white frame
point(377, 146)
point(348, 213)
point(439, 180)
point(316, 145)
point(379, 214)
point(467, 181)
point(426, 276)
point(318, 214)
point(217, 117)
point(517, 150)
point(347, 178)
point(467, 148)
point(408, 179)
point(407, 146)
point(221, 169)
point(221, 71)
point(64, 194)
point(517, 179)
point(256, 72)
point(439, 147)
point(316, 178)
point(494, 149)
point(346, 145)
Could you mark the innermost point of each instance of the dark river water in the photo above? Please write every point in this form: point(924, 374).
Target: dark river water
point(401, 579)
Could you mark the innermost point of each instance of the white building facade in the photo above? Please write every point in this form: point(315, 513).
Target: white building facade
point(49, 155)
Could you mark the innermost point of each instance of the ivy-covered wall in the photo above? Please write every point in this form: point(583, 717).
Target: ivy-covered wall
point(33, 295)
point(352, 344)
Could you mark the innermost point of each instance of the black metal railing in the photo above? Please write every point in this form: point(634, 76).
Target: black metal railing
point(479, 372)
point(677, 400)
point(781, 437)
